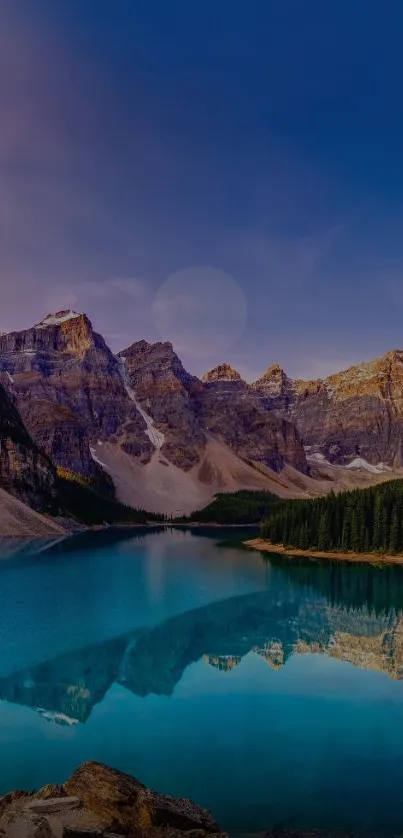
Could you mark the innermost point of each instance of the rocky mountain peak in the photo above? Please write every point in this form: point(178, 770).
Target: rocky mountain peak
point(63, 331)
point(58, 318)
point(223, 372)
point(274, 382)
point(155, 367)
point(273, 370)
point(160, 349)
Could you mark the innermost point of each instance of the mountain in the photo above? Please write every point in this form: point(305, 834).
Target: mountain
point(167, 393)
point(208, 436)
point(170, 441)
point(18, 520)
point(27, 479)
point(189, 411)
point(68, 388)
point(233, 411)
point(353, 418)
point(24, 470)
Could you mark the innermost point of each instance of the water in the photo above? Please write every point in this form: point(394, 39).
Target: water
point(267, 690)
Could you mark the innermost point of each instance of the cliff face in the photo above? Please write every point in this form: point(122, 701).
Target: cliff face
point(353, 414)
point(221, 373)
point(166, 392)
point(189, 411)
point(74, 395)
point(24, 471)
point(231, 409)
point(68, 389)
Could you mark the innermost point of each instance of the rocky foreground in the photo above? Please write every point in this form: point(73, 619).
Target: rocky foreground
point(100, 802)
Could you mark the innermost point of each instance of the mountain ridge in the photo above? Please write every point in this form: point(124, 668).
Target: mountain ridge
point(356, 413)
point(171, 441)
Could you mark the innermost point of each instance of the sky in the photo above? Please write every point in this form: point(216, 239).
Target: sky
point(224, 175)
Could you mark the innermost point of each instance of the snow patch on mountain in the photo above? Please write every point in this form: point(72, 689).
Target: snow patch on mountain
point(156, 437)
point(96, 459)
point(359, 462)
point(57, 319)
point(316, 457)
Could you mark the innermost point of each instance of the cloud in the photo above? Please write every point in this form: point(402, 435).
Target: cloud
point(113, 288)
point(133, 287)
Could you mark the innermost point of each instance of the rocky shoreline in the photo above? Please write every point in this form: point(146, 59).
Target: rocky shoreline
point(294, 552)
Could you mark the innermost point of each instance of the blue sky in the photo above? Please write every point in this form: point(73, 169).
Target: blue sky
point(261, 140)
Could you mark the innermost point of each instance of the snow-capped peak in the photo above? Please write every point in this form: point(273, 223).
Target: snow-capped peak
point(57, 318)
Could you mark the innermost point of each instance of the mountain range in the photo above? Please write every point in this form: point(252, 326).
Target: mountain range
point(170, 440)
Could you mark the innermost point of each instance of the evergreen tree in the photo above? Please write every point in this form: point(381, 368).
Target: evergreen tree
point(323, 532)
point(394, 539)
point(369, 520)
point(354, 533)
point(378, 523)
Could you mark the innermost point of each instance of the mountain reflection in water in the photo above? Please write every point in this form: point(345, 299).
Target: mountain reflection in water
point(351, 613)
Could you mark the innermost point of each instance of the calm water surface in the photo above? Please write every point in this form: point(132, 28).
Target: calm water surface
point(268, 691)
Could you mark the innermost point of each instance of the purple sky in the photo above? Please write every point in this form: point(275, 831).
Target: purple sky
point(224, 175)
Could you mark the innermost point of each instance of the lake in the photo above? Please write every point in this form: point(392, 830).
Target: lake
point(268, 690)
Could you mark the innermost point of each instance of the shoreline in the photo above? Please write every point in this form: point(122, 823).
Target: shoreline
point(81, 529)
point(369, 558)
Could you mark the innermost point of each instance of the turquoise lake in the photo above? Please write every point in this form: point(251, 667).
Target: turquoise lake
point(267, 690)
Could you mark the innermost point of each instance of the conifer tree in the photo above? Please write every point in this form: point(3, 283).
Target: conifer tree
point(360, 520)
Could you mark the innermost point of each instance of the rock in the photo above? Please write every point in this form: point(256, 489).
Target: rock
point(100, 801)
point(26, 825)
point(233, 411)
point(189, 411)
point(50, 791)
point(68, 388)
point(221, 373)
point(357, 413)
point(73, 394)
point(13, 800)
point(120, 800)
point(166, 392)
point(24, 471)
point(82, 832)
point(53, 805)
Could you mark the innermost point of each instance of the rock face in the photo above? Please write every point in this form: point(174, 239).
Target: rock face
point(166, 391)
point(68, 389)
point(24, 471)
point(230, 409)
point(221, 373)
point(73, 395)
point(98, 801)
point(352, 415)
point(189, 411)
